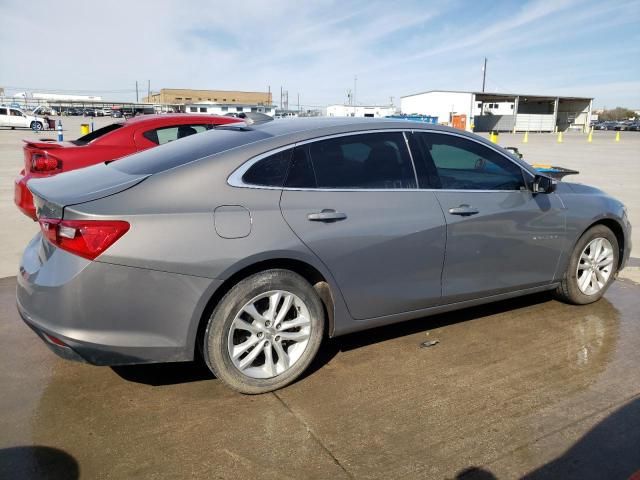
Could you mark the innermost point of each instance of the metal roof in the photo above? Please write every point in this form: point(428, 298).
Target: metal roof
point(500, 94)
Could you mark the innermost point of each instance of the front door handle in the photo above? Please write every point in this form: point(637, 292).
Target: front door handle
point(326, 215)
point(464, 210)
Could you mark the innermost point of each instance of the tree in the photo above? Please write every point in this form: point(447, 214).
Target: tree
point(617, 114)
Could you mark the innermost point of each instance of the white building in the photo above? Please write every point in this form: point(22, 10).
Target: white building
point(224, 109)
point(374, 111)
point(58, 97)
point(502, 111)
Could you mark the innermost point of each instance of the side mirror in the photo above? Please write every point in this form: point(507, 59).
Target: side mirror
point(542, 184)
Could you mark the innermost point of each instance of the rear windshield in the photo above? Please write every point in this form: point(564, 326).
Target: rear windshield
point(89, 137)
point(188, 149)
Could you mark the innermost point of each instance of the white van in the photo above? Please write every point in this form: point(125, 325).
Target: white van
point(16, 118)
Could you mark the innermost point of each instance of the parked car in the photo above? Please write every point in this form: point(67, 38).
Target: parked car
point(248, 243)
point(42, 110)
point(44, 158)
point(16, 118)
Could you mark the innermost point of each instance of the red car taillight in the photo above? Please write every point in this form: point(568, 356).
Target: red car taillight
point(44, 163)
point(86, 238)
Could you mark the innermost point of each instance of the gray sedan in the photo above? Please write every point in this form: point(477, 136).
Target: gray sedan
point(249, 244)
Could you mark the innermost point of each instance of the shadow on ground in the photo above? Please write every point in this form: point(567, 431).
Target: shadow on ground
point(37, 462)
point(186, 372)
point(609, 450)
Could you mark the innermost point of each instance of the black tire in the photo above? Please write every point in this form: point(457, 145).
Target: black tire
point(37, 126)
point(215, 347)
point(568, 291)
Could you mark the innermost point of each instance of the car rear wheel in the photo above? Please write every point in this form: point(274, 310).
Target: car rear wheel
point(36, 126)
point(592, 267)
point(264, 332)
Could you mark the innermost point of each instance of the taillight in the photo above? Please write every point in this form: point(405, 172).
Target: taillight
point(86, 238)
point(44, 163)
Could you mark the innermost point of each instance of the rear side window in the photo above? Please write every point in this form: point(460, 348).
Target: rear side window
point(3, 111)
point(270, 171)
point(160, 136)
point(365, 161)
point(463, 164)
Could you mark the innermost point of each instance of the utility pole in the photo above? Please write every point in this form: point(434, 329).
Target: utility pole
point(280, 97)
point(355, 85)
point(298, 102)
point(136, 91)
point(149, 91)
point(484, 73)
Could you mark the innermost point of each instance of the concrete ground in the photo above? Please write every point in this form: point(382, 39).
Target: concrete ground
point(528, 388)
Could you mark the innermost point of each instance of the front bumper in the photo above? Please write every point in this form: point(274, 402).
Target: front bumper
point(107, 314)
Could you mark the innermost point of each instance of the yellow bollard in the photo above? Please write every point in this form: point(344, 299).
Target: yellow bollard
point(617, 136)
point(493, 136)
point(590, 137)
point(559, 137)
point(526, 137)
point(84, 129)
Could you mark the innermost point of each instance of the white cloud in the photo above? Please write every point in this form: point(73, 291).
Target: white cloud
point(315, 48)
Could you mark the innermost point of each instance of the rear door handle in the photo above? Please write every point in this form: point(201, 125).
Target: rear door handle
point(326, 215)
point(463, 210)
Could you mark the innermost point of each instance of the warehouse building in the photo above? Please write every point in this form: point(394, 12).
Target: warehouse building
point(226, 109)
point(181, 96)
point(483, 112)
point(373, 111)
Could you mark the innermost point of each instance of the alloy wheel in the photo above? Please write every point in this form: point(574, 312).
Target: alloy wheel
point(595, 266)
point(269, 334)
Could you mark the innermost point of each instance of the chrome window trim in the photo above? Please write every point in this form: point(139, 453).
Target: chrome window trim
point(235, 178)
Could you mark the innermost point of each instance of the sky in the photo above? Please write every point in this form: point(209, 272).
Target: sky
point(316, 48)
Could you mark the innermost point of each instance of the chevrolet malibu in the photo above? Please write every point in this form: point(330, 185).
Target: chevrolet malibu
point(250, 244)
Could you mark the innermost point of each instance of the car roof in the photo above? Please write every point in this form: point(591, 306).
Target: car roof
point(178, 117)
point(315, 125)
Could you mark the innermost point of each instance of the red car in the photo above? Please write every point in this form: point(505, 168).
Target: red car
point(47, 157)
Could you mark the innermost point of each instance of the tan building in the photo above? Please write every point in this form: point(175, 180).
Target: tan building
point(178, 96)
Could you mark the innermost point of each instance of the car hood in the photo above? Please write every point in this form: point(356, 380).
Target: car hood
point(52, 194)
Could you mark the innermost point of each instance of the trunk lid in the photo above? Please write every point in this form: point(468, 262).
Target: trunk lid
point(52, 194)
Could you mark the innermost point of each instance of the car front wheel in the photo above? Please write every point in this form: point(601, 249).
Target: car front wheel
point(592, 267)
point(264, 332)
point(36, 126)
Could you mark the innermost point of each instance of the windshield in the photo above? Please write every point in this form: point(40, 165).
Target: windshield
point(89, 137)
point(186, 150)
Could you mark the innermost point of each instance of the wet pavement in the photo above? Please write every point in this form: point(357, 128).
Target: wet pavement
point(525, 388)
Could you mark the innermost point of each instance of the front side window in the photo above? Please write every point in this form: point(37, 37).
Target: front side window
point(16, 113)
point(366, 161)
point(463, 164)
point(269, 171)
point(160, 136)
